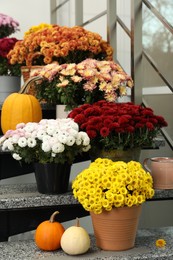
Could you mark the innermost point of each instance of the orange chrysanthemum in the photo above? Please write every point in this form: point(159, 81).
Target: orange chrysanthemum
point(60, 43)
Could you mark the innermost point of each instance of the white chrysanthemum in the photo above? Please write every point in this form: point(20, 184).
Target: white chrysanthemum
point(63, 121)
point(57, 132)
point(62, 132)
point(22, 142)
point(86, 148)
point(30, 127)
point(5, 145)
point(51, 129)
point(2, 139)
point(78, 141)
point(54, 136)
point(58, 148)
point(52, 121)
point(28, 134)
point(70, 140)
point(75, 126)
point(43, 122)
point(34, 134)
point(68, 123)
point(15, 138)
point(17, 156)
point(20, 125)
point(46, 138)
point(53, 140)
point(84, 138)
point(46, 147)
point(40, 134)
point(31, 142)
point(41, 127)
point(62, 138)
point(8, 145)
point(72, 132)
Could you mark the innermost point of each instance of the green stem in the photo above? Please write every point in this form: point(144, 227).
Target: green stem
point(52, 218)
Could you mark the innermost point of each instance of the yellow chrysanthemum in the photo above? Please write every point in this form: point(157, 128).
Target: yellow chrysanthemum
point(35, 28)
point(160, 242)
point(106, 184)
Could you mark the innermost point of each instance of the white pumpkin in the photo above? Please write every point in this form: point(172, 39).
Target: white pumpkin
point(75, 240)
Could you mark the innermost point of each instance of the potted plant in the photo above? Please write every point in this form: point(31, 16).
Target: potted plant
point(118, 129)
point(86, 82)
point(45, 44)
point(49, 144)
point(113, 193)
point(8, 25)
point(9, 74)
point(7, 69)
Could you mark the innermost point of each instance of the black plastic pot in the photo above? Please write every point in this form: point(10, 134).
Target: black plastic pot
point(52, 178)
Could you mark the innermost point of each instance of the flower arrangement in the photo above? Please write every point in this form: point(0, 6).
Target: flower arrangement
point(8, 25)
point(118, 125)
point(106, 184)
point(59, 43)
point(86, 82)
point(38, 27)
point(50, 140)
point(7, 69)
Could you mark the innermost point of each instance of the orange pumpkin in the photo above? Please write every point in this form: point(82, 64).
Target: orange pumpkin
point(20, 107)
point(48, 234)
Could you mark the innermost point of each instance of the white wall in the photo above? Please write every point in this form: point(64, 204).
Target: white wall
point(27, 13)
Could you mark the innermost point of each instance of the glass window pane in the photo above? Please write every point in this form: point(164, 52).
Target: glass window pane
point(158, 42)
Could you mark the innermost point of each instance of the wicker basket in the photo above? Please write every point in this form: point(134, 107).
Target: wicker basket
point(26, 73)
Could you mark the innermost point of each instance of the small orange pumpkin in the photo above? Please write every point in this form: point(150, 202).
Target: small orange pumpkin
point(48, 234)
point(20, 108)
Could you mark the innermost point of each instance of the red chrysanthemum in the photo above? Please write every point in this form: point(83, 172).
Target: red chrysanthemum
point(114, 125)
point(139, 125)
point(92, 111)
point(80, 119)
point(91, 133)
point(130, 129)
point(6, 44)
point(117, 125)
point(149, 126)
point(108, 120)
point(161, 121)
point(147, 112)
point(104, 131)
point(124, 119)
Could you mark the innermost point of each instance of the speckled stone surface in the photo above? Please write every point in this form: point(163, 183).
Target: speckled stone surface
point(144, 249)
point(26, 195)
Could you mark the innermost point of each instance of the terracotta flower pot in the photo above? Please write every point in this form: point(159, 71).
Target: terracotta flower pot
point(161, 169)
point(116, 229)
